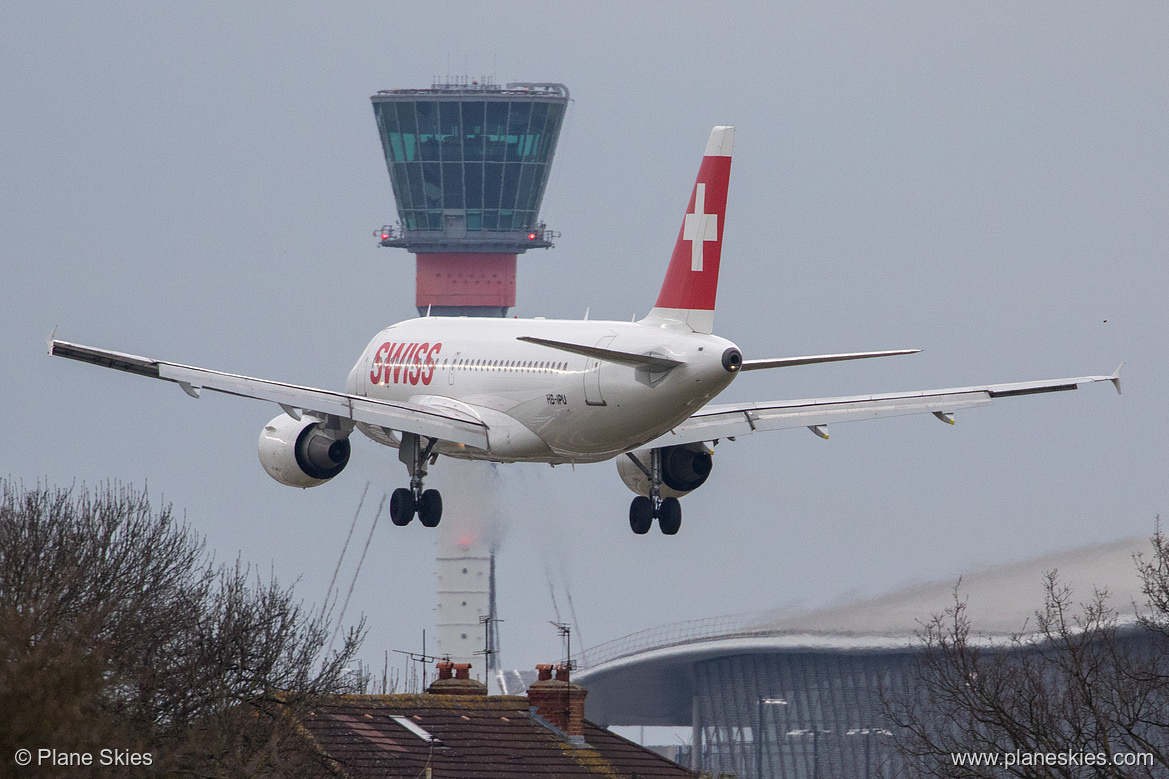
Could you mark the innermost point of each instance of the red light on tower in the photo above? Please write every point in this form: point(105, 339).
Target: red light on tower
point(531, 236)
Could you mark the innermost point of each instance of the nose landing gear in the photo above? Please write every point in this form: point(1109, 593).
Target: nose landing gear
point(644, 510)
point(405, 502)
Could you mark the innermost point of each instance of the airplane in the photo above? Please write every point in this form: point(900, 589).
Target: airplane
point(559, 391)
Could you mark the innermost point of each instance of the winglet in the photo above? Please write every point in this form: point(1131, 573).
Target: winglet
point(1115, 378)
point(52, 337)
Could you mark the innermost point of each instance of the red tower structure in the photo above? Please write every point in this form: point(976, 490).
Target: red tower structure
point(468, 163)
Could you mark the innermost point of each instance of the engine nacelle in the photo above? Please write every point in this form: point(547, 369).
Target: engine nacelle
point(301, 453)
point(684, 468)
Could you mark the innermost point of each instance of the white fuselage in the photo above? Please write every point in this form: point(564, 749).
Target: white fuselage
point(542, 404)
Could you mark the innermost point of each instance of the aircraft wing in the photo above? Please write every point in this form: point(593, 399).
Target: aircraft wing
point(408, 417)
point(732, 420)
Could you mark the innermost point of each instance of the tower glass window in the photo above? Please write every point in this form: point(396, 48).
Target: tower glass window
point(474, 159)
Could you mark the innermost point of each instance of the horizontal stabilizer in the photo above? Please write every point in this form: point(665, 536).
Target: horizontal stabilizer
point(609, 355)
point(786, 362)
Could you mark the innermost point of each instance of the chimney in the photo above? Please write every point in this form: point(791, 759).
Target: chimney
point(455, 679)
point(558, 701)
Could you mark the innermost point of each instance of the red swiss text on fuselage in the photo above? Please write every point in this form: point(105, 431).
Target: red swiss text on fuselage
point(404, 363)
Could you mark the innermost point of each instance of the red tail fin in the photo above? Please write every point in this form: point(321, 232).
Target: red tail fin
point(691, 284)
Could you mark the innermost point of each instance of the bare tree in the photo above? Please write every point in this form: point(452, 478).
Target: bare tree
point(117, 630)
point(1083, 685)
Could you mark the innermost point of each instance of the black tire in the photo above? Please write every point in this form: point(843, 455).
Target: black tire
point(670, 519)
point(641, 515)
point(401, 507)
point(430, 508)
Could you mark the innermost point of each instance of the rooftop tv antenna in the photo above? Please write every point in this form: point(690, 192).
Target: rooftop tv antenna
point(490, 650)
point(422, 657)
point(565, 631)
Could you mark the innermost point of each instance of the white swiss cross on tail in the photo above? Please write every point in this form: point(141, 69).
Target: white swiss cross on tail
point(699, 227)
point(691, 283)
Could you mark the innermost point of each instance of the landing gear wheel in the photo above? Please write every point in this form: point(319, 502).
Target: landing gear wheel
point(641, 514)
point(430, 508)
point(670, 516)
point(402, 507)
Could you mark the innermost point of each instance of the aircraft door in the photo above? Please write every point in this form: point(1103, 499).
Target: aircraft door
point(592, 375)
point(450, 377)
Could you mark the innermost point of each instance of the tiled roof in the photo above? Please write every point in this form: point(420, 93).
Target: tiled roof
point(473, 736)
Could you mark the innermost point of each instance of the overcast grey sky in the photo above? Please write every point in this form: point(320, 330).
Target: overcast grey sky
point(986, 182)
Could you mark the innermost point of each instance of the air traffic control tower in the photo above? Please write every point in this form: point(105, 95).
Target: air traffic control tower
point(469, 162)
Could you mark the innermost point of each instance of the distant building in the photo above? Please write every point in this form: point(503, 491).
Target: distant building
point(797, 695)
point(469, 163)
point(457, 730)
point(466, 576)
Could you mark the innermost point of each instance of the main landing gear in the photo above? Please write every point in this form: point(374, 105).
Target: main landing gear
point(405, 502)
point(644, 510)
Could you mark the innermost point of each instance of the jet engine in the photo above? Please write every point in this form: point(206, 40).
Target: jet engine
point(684, 468)
point(301, 453)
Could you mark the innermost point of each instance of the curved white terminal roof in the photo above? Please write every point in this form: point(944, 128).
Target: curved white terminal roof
point(652, 667)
